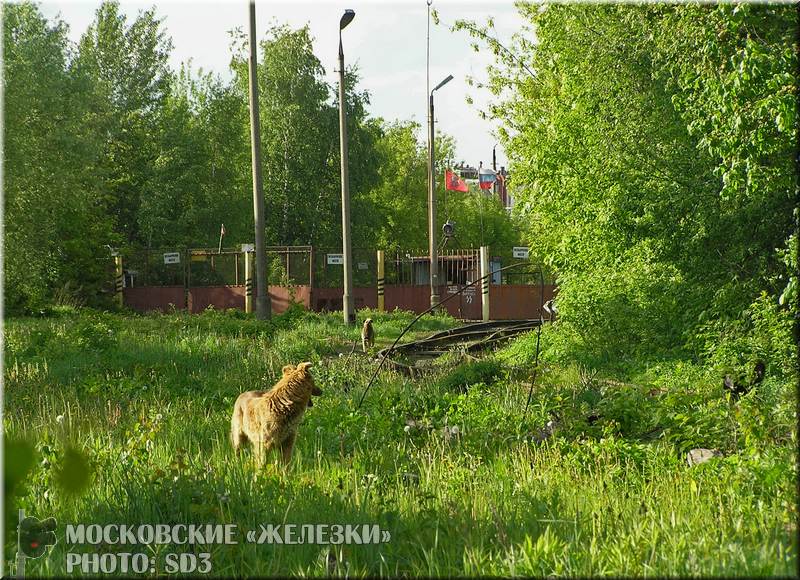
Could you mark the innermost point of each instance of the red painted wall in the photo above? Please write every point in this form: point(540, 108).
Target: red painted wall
point(148, 298)
point(220, 297)
point(330, 299)
point(512, 301)
point(507, 301)
point(282, 296)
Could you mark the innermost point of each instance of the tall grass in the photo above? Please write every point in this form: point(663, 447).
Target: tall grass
point(452, 470)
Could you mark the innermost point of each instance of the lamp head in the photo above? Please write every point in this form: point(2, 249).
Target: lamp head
point(443, 83)
point(347, 18)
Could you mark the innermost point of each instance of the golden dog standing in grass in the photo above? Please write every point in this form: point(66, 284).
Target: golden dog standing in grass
point(367, 334)
point(269, 419)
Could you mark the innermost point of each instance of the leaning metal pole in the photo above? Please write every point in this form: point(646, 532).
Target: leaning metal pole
point(263, 305)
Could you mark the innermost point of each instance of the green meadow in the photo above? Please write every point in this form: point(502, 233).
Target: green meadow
point(123, 419)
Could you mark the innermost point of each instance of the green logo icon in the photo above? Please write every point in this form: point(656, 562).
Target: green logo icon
point(36, 536)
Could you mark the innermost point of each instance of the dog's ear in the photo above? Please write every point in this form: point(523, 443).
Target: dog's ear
point(304, 366)
point(288, 369)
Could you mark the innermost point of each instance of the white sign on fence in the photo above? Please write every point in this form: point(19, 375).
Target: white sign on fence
point(172, 258)
point(521, 252)
point(363, 266)
point(248, 247)
point(335, 258)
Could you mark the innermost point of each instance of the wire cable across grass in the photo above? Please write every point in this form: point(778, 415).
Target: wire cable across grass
point(493, 336)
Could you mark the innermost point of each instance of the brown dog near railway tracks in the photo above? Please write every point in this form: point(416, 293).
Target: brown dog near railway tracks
point(367, 334)
point(269, 419)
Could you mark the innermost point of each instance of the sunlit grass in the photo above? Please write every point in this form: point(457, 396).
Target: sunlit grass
point(148, 400)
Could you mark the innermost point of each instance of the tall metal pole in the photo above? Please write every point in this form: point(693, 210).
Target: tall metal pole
point(347, 297)
point(431, 193)
point(434, 277)
point(263, 305)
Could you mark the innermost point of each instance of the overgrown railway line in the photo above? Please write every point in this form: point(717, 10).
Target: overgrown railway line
point(414, 357)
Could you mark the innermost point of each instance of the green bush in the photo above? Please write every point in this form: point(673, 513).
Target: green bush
point(486, 371)
point(763, 332)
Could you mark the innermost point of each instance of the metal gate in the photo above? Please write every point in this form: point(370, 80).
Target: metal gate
point(407, 281)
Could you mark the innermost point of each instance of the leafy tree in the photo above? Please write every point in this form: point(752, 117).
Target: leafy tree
point(480, 220)
point(651, 151)
point(202, 169)
point(738, 97)
point(401, 198)
point(127, 65)
point(300, 140)
point(54, 225)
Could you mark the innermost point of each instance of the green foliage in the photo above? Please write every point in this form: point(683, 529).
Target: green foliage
point(653, 151)
point(300, 139)
point(125, 66)
point(49, 157)
point(486, 371)
point(401, 198)
point(763, 332)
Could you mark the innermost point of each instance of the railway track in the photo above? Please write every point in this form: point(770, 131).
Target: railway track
point(413, 358)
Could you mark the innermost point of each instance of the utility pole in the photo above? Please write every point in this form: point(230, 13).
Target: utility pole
point(434, 277)
point(263, 304)
point(347, 253)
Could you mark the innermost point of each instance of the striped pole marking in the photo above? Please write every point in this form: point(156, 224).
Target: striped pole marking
point(118, 280)
point(248, 281)
point(381, 282)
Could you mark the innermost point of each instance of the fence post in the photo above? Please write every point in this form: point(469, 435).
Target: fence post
point(288, 275)
point(248, 282)
point(187, 280)
point(381, 281)
point(485, 280)
point(119, 282)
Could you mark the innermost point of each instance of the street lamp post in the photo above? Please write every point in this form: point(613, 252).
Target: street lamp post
point(434, 277)
point(347, 298)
